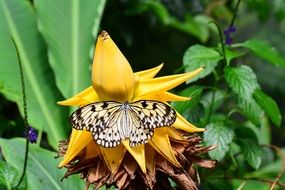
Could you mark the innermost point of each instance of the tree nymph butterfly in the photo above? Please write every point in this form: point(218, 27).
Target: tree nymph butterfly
point(111, 122)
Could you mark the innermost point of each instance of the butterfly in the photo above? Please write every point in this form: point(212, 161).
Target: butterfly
point(111, 122)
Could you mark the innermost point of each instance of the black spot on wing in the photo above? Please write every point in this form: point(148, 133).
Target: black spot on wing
point(93, 108)
point(144, 104)
point(168, 110)
point(105, 105)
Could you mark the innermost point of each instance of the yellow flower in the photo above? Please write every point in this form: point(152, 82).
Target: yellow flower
point(113, 79)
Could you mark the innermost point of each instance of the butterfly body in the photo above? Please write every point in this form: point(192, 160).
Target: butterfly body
point(111, 122)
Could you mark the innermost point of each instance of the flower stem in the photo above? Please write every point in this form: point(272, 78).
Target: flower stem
point(25, 114)
point(235, 13)
point(216, 75)
point(224, 61)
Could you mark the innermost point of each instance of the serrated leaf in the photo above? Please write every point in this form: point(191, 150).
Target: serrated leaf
point(242, 80)
point(269, 106)
point(17, 20)
point(251, 110)
point(194, 92)
point(264, 51)
point(70, 28)
point(221, 135)
point(42, 172)
point(251, 151)
point(199, 56)
point(9, 176)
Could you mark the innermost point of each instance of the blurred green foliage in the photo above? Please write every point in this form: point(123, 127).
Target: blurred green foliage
point(238, 97)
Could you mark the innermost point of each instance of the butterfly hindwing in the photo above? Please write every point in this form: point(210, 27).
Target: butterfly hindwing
point(148, 115)
point(112, 134)
point(138, 135)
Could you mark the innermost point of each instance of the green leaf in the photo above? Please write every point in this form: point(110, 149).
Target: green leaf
point(221, 135)
point(231, 54)
point(279, 9)
point(251, 151)
point(194, 92)
point(251, 110)
point(9, 177)
point(242, 80)
point(263, 132)
point(17, 20)
point(159, 9)
point(199, 56)
point(197, 26)
point(269, 106)
point(70, 28)
point(264, 51)
point(219, 97)
point(246, 133)
point(248, 184)
point(263, 8)
point(42, 171)
point(219, 184)
point(270, 170)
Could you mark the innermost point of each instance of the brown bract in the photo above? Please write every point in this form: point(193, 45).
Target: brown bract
point(130, 176)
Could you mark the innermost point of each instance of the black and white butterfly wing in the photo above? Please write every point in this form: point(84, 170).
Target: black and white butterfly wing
point(154, 114)
point(138, 134)
point(146, 116)
point(120, 126)
point(94, 117)
point(113, 133)
point(111, 122)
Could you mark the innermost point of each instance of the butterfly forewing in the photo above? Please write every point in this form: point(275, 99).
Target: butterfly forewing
point(111, 122)
point(154, 114)
point(94, 117)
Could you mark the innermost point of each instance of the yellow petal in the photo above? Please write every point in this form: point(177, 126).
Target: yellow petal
point(92, 150)
point(169, 97)
point(174, 134)
point(150, 73)
point(162, 84)
point(78, 141)
point(138, 154)
point(112, 75)
point(163, 97)
point(113, 156)
point(184, 125)
point(74, 101)
point(87, 96)
point(150, 158)
point(160, 142)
